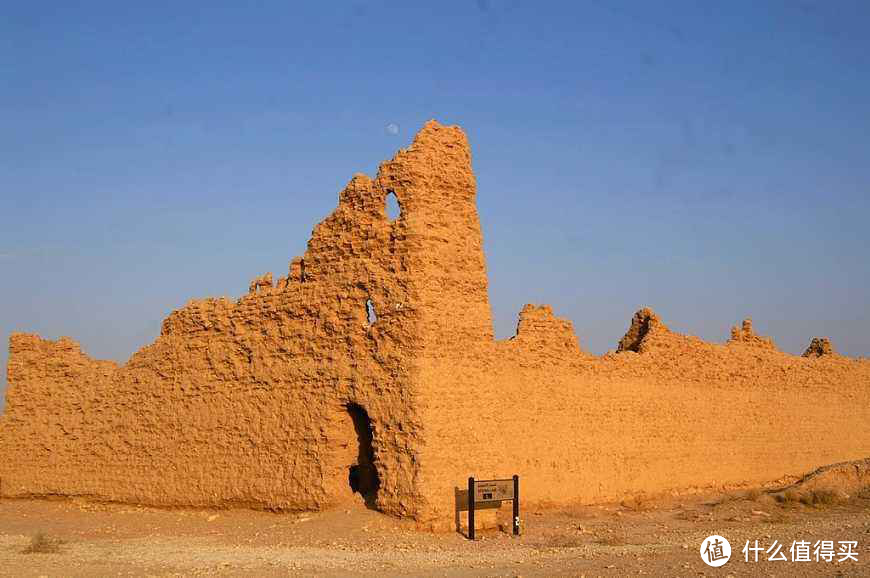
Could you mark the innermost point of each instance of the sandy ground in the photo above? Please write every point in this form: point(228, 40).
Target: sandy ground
point(657, 538)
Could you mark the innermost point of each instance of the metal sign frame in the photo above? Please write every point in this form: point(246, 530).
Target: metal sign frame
point(490, 502)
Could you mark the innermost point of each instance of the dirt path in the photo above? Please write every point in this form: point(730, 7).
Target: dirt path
point(657, 538)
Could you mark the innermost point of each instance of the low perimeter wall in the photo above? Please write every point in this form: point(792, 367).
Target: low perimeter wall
point(677, 415)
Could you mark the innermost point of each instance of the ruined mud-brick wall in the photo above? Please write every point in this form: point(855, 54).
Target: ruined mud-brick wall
point(666, 413)
point(246, 403)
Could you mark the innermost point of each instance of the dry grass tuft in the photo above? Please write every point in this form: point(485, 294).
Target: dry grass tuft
point(611, 540)
point(751, 495)
point(41, 543)
point(563, 541)
point(818, 497)
point(637, 504)
point(721, 500)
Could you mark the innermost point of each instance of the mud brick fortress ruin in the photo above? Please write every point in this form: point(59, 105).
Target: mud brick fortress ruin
point(371, 366)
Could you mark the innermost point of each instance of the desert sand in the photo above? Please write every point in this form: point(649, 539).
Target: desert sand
point(655, 537)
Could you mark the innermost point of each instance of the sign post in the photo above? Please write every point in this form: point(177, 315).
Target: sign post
point(471, 508)
point(490, 494)
point(516, 500)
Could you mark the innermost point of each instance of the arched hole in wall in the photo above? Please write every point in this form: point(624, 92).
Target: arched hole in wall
point(394, 211)
point(370, 312)
point(363, 475)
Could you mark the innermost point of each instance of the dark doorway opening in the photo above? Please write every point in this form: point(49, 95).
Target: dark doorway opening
point(363, 476)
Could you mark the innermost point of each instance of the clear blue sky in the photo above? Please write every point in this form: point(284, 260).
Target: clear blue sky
point(707, 159)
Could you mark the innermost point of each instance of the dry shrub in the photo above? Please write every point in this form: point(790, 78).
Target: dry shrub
point(766, 499)
point(41, 543)
point(752, 494)
point(821, 497)
point(689, 515)
point(864, 493)
point(787, 497)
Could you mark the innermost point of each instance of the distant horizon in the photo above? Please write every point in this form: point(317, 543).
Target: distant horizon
point(706, 161)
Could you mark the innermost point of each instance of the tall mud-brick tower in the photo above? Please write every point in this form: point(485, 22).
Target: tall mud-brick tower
point(423, 275)
point(442, 273)
point(435, 186)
